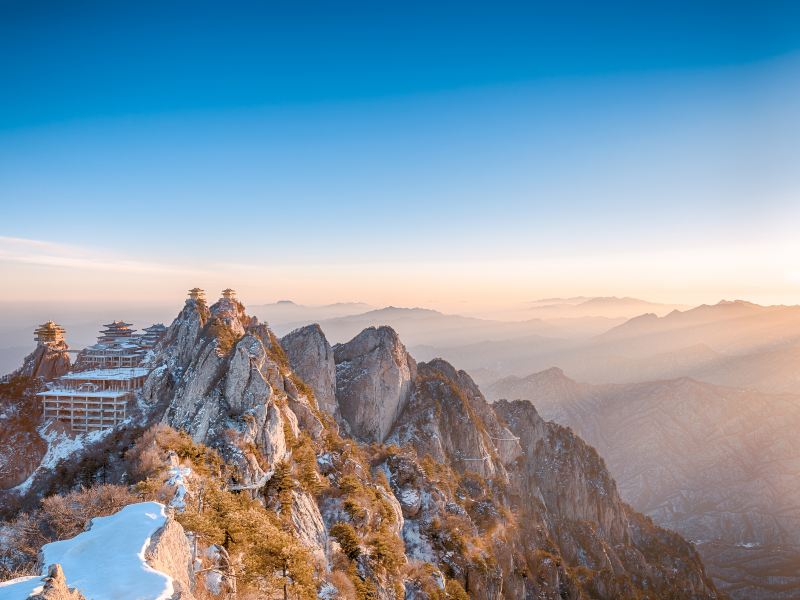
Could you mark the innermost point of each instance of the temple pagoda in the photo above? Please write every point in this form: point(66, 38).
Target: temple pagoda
point(116, 347)
point(197, 294)
point(49, 333)
point(116, 332)
point(229, 294)
point(152, 335)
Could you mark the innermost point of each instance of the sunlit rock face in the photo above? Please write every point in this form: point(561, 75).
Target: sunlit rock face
point(48, 361)
point(374, 380)
point(311, 357)
point(448, 419)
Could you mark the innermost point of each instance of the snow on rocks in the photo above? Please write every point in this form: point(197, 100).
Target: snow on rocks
point(60, 446)
point(179, 477)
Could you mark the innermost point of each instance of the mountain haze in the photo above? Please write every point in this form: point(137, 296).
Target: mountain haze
point(717, 464)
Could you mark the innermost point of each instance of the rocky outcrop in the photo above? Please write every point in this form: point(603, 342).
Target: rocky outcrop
point(169, 553)
point(591, 525)
point(48, 361)
point(55, 587)
point(449, 420)
point(311, 357)
point(222, 376)
point(374, 380)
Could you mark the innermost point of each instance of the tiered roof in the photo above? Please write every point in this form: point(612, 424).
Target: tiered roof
point(49, 332)
point(229, 294)
point(152, 335)
point(197, 294)
point(116, 331)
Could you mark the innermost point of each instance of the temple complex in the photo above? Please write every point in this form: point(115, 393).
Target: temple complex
point(118, 347)
point(96, 396)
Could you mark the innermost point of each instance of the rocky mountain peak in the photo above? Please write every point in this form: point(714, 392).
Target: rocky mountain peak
point(311, 357)
point(374, 380)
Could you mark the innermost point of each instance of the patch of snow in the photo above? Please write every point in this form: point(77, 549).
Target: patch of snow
point(417, 546)
point(107, 561)
point(20, 588)
point(409, 496)
point(178, 476)
point(325, 461)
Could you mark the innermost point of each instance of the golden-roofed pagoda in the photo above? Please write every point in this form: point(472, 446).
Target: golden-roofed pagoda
point(115, 331)
point(49, 332)
point(197, 294)
point(229, 294)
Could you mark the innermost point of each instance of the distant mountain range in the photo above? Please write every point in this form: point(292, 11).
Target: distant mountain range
point(603, 306)
point(717, 464)
point(286, 312)
point(730, 343)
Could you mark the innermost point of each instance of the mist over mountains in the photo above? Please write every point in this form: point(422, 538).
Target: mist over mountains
point(717, 464)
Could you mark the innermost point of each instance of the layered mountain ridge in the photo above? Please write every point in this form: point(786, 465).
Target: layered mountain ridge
point(396, 479)
point(717, 464)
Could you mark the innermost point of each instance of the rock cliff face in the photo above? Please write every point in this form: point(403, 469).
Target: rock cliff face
point(224, 378)
point(311, 357)
point(374, 380)
point(448, 419)
point(21, 446)
point(48, 361)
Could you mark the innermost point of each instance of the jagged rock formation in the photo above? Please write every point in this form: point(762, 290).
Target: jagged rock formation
point(48, 361)
point(449, 420)
point(567, 519)
point(450, 495)
point(311, 357)
point(374, 378)
point(168, 552)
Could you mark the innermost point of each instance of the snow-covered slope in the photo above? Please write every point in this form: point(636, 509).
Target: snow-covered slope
point(108, 561)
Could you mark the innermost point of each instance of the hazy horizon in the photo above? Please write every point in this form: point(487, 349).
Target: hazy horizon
point(470, 160)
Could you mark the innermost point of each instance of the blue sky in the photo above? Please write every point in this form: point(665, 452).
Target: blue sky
point(387, 142)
